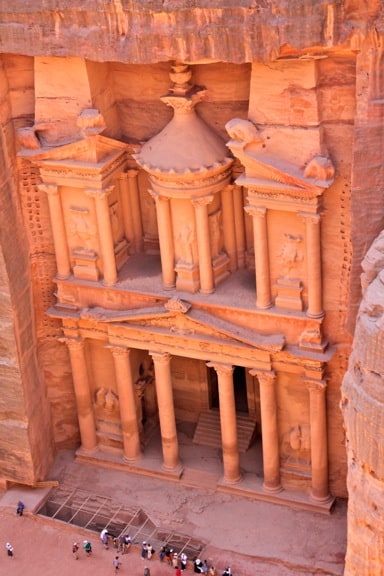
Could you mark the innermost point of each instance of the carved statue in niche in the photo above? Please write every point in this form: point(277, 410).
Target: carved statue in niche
point(296, 446)
point(144, 390)
point(113, 211)
point(107, 411)
point(216, 233)
point(81, 227)
point(185, 240)
point(290, 253)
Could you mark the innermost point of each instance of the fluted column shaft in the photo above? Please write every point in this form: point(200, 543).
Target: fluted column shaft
point(314, 276)
point(228, 423)
point(229, 226)
point(167, 249)
point(127, 402)
point(163, 381)
point(58, 230)
point(134, 196)
point(260, 236)
point(319, 439)
point(126, 208)
point(269, 430)
point(204, 244)
point(104, 226)
point(83, 396)
point(238, 210)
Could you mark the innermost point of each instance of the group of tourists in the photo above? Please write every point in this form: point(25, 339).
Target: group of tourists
point(176, 560)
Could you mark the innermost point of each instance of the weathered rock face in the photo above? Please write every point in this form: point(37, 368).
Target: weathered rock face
point(161, 30)
point(26, 447)
point(362, 407)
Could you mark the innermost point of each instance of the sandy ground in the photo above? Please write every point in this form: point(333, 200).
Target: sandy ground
point(253, 537)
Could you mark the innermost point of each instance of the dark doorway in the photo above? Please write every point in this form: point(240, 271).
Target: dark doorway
point(240, 387)
point(240, 384)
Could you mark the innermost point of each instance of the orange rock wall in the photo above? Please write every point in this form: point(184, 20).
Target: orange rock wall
point(26, 445)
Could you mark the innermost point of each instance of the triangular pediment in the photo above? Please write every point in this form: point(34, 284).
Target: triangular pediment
point(184, 320)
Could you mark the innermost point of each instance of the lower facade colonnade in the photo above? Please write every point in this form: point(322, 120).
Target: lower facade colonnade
point(166, 399)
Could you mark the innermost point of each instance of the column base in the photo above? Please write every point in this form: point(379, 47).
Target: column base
point(320, 499)
point(316, 315)
point(272, 489)
point(174, 470)
point(132, 460)
point(87, 451)
point(264, 306)
point(232, 481)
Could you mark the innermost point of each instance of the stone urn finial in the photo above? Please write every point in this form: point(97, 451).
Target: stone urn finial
point(181, 75)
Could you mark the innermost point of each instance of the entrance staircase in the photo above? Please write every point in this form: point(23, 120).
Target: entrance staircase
point(208, 430)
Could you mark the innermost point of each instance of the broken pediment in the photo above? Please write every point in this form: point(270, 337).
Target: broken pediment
point(268, 172)
point(179, 317)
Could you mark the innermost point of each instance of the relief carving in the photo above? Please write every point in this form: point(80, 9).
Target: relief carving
point(242, 131)
point(81, 227)
point(296, 446)
point(185, 240)
point(291, 253)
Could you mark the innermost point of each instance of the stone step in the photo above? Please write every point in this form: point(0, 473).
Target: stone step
point(208, 430)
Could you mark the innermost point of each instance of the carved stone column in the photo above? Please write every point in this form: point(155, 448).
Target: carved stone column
point(127, 402)
point(134, 196)
point(163, 382)
point(314, 276)
point(238, 211)
point(126, 208)
point(83, 396)
point(231, 459)
point(167, 250)
point(204, 244)
point(260, 235)
point(229, 226)
point(105, 233)
point(269, 431)
point(58, 230)
point(319, 440)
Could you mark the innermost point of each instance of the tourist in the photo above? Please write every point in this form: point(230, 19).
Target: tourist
point(116, 563)
point(198, 566)
point(127, 543)
point(75, 550)
point(212, 571)
point(183, 561)
point(175, 560)
point(147, 571)
point(104, 538)
point(162, 553)
point(150, 551)
point(168, 555)
point(9, 550)
point(87, 547)
point(20, 508)
point(227, 572)
point(144, 550)
point(177, 571)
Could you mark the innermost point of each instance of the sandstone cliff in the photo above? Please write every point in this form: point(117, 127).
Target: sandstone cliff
point(362, 407)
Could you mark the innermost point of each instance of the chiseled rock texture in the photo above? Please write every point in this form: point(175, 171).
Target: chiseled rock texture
point(145, 31)
point(363, 406)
